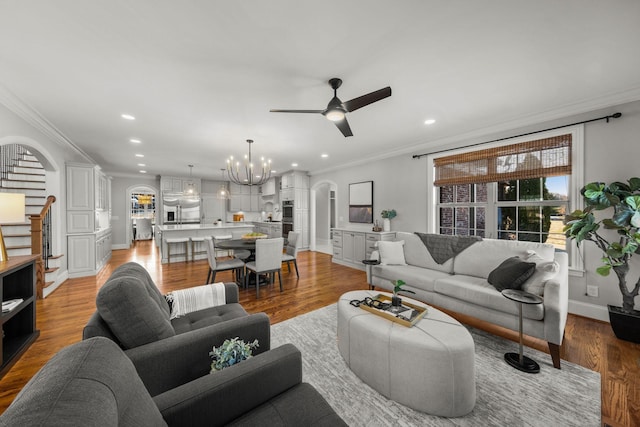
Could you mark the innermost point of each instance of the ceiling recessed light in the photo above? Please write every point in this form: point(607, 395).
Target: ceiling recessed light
point(295, 165)
point(135, 141)
point(139, 155)
point(141, 165)
point(324, 156)
point(272, 171)
point(143, 171)
point(127, 117)
point(429, 121)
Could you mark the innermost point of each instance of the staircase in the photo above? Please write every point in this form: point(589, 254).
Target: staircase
point(21, 172)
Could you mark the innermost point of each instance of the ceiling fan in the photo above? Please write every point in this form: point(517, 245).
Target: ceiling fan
point(336, 110)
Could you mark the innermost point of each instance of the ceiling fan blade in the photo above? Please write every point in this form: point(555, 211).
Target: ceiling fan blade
point(343, 125)
point(297, 111)
point(367, 99)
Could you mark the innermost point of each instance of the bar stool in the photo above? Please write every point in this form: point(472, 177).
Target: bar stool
point(178, 240)
point(196, 241)
point(219, 238)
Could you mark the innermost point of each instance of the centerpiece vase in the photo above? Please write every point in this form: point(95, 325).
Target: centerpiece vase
point(386, 224)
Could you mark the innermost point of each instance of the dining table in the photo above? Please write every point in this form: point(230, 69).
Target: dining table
point(248, 245)
point(241, 244)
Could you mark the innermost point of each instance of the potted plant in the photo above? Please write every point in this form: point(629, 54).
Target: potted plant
point(231, 351)
point(388, 215)
point(583, 226)
point(396, 301)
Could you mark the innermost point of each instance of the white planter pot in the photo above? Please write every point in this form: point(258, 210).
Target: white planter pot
point(386, 224)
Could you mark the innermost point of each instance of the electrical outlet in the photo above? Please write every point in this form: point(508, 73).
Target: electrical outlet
point(592, 290)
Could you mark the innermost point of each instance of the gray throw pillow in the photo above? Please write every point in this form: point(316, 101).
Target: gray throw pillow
point(127, 306)
point(511, 274)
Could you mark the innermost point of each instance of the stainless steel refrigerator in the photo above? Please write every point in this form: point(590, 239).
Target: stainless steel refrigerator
point(178, 209)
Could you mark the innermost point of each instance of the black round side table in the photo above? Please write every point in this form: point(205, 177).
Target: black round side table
point(518, 360)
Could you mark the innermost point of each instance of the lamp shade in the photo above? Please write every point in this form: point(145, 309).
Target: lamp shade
point(12, 209)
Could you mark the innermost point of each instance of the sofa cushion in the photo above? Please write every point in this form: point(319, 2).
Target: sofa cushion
point(127, 305)
point(511, 273)
point(90, 383)
point(391, 253)
point(483, 257)
point(545, 270)
point(478, 291)
point(416, 253)
point(416, 277)
point(206, 317)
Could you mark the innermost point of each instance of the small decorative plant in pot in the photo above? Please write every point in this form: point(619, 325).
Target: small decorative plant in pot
point(583, 226)
point(396, 301)
point(387, 216)
point(231, 351)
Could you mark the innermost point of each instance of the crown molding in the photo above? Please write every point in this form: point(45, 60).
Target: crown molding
point(35, 119)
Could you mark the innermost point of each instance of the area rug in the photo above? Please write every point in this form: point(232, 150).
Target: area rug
point(505, 396)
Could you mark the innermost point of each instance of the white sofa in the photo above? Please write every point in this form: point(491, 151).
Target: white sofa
point(460, 284)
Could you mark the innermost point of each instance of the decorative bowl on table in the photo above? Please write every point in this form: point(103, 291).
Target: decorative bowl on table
point(254, 236)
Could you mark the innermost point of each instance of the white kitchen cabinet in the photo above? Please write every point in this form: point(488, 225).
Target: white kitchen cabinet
point(269, 187)
point(177, 184)
point(244, 198)
point(88, 219)
point(353, 247)
point(350, 247)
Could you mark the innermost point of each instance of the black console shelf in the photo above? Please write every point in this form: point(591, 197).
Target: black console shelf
point(17, 280)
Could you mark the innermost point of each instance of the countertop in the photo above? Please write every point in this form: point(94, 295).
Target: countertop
point(170, 227)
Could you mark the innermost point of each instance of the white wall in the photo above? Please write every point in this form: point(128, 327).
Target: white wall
point(611, 154)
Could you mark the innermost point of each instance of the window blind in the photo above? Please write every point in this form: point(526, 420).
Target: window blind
point(531, 159)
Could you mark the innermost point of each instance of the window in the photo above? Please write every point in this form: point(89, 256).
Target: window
point(143, 205)
point(517, 190)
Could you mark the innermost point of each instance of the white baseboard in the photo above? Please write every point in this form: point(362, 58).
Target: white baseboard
point(120, 246)
point(59, 280)
point(592, 311)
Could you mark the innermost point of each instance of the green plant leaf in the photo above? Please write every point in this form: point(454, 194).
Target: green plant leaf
point(603, 270)
point(634, 184)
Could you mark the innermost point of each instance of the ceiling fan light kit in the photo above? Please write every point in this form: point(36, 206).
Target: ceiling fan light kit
point(336, 110)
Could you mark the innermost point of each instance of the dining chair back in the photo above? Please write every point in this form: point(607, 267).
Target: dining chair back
point(291, 250)
point(268, 260)
point(144, 230)
point(234, 264)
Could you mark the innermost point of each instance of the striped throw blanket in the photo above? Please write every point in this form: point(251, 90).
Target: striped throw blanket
point(197, 298)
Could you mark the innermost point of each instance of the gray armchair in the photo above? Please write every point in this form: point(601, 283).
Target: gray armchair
point(132, 312)
point(93, 383)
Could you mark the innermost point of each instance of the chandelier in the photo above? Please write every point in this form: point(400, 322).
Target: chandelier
point(246, 173)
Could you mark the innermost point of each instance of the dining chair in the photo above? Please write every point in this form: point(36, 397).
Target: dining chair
point(234, 264)
point(291, 250)
point(144, 230)
point(268, 260)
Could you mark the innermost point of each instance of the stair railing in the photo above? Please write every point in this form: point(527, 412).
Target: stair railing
point(41, 238)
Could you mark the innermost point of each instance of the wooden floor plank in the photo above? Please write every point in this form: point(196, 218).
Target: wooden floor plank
point(63, 314)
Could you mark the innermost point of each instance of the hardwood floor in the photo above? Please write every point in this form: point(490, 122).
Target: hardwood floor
point(62, 316)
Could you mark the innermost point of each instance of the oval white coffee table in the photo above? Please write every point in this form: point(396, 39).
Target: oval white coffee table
point(428, 367)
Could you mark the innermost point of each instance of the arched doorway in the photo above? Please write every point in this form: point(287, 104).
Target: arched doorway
point(323, 214)
point(141, 203)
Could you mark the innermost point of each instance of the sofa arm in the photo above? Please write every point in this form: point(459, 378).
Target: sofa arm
point(168, 363)
point(556, 302)
point(216, 399)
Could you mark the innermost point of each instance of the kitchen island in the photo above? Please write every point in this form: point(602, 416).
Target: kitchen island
point(172, 231)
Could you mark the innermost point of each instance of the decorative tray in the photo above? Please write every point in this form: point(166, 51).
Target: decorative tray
point(409, 316)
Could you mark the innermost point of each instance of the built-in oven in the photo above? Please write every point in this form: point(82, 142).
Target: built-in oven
point(287, 211)
point(287, 217)
point(286, 228)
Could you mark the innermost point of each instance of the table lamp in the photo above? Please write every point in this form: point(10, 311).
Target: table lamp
point(12, 211)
